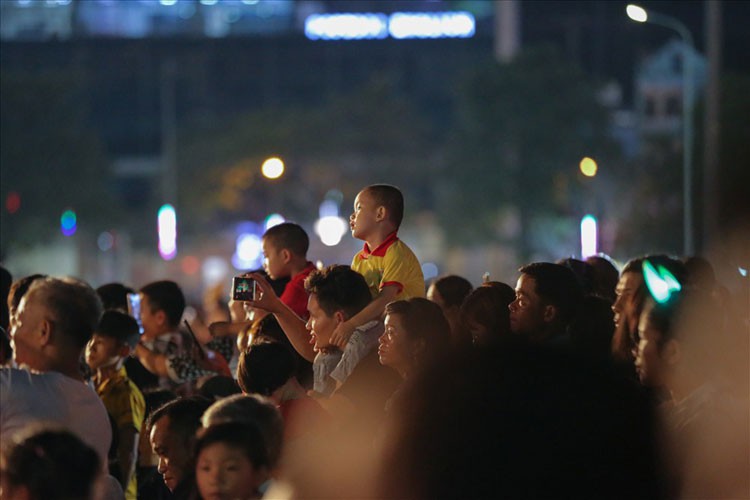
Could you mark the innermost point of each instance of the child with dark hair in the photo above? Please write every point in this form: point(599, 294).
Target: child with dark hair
point(109, 347)
point(390, 268)
point(268, 369)
point(284, 258)
point(114, 296)
point(48, 463)
point(231, 462)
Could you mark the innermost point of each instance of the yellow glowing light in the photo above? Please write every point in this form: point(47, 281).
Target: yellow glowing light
point(273, 168)
point(588, 167)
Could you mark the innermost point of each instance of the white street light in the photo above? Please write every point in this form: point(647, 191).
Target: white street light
point(639, 14)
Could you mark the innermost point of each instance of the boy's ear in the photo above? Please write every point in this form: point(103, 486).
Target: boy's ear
point(286, 255)
point(161, 318)
point(124, 350)
point(381, 213)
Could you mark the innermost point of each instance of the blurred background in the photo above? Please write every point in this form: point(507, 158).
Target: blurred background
point(146, 139)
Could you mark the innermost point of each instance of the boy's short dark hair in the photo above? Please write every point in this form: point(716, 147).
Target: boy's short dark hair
point(242, 436)
point(166, 296)
point(114, 296)
point(51, 462)
point(289, 236)
point(391, 198)
point(339, 287)
point(119, 326)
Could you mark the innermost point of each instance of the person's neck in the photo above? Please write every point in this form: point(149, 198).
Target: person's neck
point(70, 368)
point(375, 240)
point(156, 335)
point(105, 372)
point(290, 390)
point(683, 385)
point(297, 266)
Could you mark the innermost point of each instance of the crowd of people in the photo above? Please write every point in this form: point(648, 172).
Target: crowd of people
point(359, 381)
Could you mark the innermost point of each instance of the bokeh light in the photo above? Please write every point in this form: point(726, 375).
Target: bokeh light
point(190, 264)
point(636, 13)
point(167, 228)
point(105, 241)
point(273, 168)
point(273, 220)
point(68, 223)
point(588, 236)
point(330, 229)
point(588, 167)
point(248, 249)
point(429, 270)
point(13, 202)
point(215, 269)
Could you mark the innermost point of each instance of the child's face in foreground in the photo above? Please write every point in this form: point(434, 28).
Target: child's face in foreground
point(363, 220)
point(102, 351)
point(224, 472)
point(273, 260)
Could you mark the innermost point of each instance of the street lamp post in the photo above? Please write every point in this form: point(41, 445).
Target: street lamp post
point(640, 15)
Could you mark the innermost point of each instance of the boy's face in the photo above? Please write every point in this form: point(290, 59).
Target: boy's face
point(154, 322)
point(102, 351)
point(364, 219)
point(225, 471)
point(274, 260)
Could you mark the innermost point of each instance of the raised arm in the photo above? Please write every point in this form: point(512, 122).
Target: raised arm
point(292, 325)
point(373, 311)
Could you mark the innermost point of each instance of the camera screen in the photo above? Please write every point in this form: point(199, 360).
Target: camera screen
point(243, 289)
point(134, 309)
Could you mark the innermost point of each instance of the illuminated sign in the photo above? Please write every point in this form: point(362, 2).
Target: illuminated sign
point(399, 25)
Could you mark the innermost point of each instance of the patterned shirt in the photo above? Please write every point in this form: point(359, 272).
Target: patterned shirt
point(124, 402)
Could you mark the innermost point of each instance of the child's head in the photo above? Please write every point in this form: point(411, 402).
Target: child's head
point(48, 463)
point(375, 205)
point(231, 461)
point(114, 337)
point(282, 244)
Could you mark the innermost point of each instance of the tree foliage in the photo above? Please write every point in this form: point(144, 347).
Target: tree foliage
point(522, 129)
point(48, 156)
point(371, 135)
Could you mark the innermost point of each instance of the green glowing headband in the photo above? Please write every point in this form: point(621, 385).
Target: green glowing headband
point(660, 282)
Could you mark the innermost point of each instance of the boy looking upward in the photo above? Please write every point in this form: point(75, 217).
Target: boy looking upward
point(390, 268)
point(109, 347)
